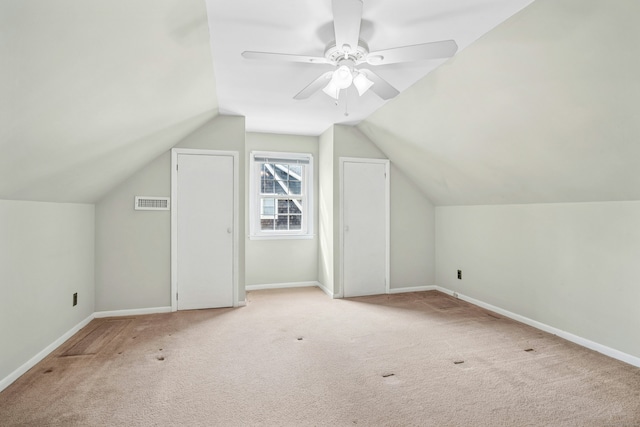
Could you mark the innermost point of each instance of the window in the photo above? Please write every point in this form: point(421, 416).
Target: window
point(281, 196)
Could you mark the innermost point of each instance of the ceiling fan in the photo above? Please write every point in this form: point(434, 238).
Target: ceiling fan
point(348, 52)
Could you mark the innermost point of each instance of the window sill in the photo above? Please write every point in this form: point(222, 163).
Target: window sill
point(283, 237)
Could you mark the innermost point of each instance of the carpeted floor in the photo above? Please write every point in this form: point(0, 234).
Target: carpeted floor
point(298, 358)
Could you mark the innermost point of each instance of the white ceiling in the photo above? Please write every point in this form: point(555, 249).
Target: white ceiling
point(263, 91)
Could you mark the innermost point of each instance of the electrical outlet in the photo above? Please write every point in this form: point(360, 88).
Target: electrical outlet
point(460, 274)
point(75, 299)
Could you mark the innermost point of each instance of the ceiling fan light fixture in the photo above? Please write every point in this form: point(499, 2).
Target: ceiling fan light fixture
point(342, 77)
point(362, 83)
point(348, 51)
point(332, 90)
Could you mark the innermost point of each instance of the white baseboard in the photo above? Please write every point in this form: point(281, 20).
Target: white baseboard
point(281, 285)
point(600, 348)
point(448, 292)
point(242, 303)
point(608, 351)
point(9, 379)
point(412, 289)
point(132, 312)
point(326, 290)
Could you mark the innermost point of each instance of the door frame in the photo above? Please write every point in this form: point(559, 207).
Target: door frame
point(387, 197)
point(174, 217)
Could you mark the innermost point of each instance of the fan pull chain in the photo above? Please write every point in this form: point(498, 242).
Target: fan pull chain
point(346, 103)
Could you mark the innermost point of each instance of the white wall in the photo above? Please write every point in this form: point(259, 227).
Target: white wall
point(570, 266)
point(133, 252)
point(290, 260)
point(46, 255)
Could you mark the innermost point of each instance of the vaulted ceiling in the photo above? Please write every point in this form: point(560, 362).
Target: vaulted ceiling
point(92, 90)
point(542, 108)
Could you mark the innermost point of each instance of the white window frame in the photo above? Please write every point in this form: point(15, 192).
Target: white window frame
point(255, 230)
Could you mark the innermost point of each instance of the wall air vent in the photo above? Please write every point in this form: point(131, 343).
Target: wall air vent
point(145, 203)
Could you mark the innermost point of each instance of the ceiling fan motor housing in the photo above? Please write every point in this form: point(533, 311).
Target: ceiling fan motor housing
point(336, 54)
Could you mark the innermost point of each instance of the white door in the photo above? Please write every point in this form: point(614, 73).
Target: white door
point(205, 191)
point(365, 224)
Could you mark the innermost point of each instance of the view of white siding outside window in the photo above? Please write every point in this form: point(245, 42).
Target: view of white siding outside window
point(281, 199)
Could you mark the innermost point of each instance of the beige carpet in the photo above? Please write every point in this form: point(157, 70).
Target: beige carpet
point(297, 358)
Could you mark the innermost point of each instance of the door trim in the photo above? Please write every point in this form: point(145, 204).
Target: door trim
point(387, 197)
point(174, 217)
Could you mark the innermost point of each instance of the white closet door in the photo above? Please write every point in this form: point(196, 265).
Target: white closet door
point(205, 231)
point(365, 221)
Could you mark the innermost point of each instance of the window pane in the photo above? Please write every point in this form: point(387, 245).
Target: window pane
point(283, 206)
point(266, 171)
point(281, 187)
point(295, 170)
point(295, 206)
point(282, 171)
point(295, 186)
point(266, 224)
point(267, 186)
point(295, 222)
point(268, 207)
point(282, 223)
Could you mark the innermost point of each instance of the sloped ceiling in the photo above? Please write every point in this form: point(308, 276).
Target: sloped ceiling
point(91, 90)
point(542, 109)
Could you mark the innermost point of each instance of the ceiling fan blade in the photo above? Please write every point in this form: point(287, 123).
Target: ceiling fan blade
point(434, 50)
point(347, 15)
point(314, 86)
point(268, 56)
point(380, 86)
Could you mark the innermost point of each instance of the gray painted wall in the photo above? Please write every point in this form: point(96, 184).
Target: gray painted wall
point(413, 237)
point(325, 210)
point(412, 215)
point(571, 266)
point(288, 260)
point(347, 142)
point(133, 252)
point(46, 254)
